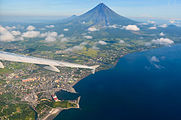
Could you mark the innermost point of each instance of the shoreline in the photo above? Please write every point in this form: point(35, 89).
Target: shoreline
point(56, 111)
point(116, 64)
point(51, 116)
point(74, 91)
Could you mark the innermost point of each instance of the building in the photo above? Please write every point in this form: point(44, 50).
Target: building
point(29, 80)
point(55, 98)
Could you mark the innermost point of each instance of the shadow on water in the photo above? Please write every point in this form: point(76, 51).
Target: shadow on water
point(64, 95)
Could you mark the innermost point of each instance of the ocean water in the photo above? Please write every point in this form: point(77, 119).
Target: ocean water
point(142, 86)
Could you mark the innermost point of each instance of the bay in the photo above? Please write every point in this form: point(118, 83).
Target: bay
point(142, 86)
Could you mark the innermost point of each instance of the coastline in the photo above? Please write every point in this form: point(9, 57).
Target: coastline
point(86, 75)
point(51, 116)
point(56, 111)
point(122, 88)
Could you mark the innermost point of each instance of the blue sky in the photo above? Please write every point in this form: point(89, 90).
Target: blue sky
point(129, 8)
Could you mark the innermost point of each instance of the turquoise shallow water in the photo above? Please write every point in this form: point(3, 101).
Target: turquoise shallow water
point(142, 86)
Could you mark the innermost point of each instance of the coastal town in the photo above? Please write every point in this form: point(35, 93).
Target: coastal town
point(36, 86)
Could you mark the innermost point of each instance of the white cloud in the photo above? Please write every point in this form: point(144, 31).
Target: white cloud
point(163, 41)
point(31, 34)
point(75, 48)
point(172, 21)
point(151, 22)
point(155, 62)
point(102, 42)
point(158, 66)
point(10, 28)
point(131, 27)
point(51, 36)
point(92, 29)
point(113, 26)
point(154, 59)
point(64, 39)
point(30, 28)
point(44, 35)
point(121, 41)
point(2, 29)
point(148, 44)
point(19, 38)
point(50, 26)
point(88, 37)
point(5, 35)
point(84, 43)
point(95, 47)
point(65, 29)
point(152, 28)
point(163, 26)
point(162, 34)
point(61, 35)
point(50, 39)
point(15, 33)
point(48, 33)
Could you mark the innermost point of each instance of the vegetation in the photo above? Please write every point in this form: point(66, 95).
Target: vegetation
point(88, 52)
point(91, 52)
point(16, 112)
point(5, 71)
point(64, 104)
point(46, 105)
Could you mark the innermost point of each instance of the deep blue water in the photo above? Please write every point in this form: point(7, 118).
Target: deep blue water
point(137, 88)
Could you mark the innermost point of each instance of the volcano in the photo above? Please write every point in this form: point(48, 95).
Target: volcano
point(102, 15)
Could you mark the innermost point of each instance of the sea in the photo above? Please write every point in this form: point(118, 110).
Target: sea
point(142, 86)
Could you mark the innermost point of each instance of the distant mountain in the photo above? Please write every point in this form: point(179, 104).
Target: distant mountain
point(101, 15)
point(71, 18)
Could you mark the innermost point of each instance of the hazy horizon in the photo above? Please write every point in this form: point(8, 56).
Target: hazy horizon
point(165, 9)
